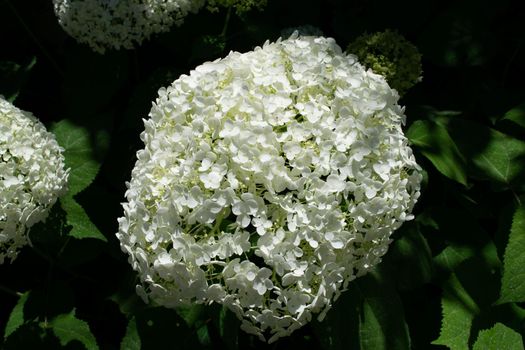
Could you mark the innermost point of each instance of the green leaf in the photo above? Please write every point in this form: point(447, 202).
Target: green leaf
point(203, 335)
point(468, 297)
point(491, 154)
point(463, 238)
point(68, 328)
point(192, 314)
point(16, 318)
point(229, 328)
point(340, 327)
point(375, 324)
point(131, 340)
point(459, 309)
point(82, 227)
point(453, 255)
point(78, 153)
point(516, 115)
point(80, 159)
point(499, 337)
point(412, 257)
point(435, 143)
point(500, 160)
point(381, 320)
point(369, 315)
point(30, 335)
point(513, 280)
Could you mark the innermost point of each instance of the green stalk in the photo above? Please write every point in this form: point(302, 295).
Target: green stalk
point(226, 22)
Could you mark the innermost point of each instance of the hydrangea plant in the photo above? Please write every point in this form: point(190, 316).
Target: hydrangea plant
point(119, 24)
point(388, 53)
point(32, 176)
point(269, 181)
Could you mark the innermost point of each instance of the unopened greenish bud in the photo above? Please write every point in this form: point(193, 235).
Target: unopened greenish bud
point(388, 53)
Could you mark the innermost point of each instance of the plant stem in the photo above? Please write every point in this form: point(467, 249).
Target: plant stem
point(10, 291)
point(226, 22)
point(516, 197)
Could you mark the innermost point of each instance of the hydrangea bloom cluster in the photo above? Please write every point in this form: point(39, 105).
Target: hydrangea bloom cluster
point(32, 176)
point(269, 180)
point(120, 23)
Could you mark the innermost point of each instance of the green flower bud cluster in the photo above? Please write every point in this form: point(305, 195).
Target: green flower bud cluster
point(388, 53)
point(241, 6)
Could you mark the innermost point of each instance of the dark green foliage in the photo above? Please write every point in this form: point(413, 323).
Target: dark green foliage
point(453, 277)
point(240, 6)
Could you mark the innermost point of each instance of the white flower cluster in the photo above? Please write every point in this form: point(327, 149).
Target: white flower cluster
point(120, 23)
point(32, 176)
point(269, 180)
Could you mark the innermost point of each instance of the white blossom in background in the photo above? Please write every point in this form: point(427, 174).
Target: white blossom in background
point(117, 24)
point(32, 176)
point(269, 180)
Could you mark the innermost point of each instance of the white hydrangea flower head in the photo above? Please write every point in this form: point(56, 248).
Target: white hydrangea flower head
point(269, 180)
point(120, 24)
point(32, 176)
